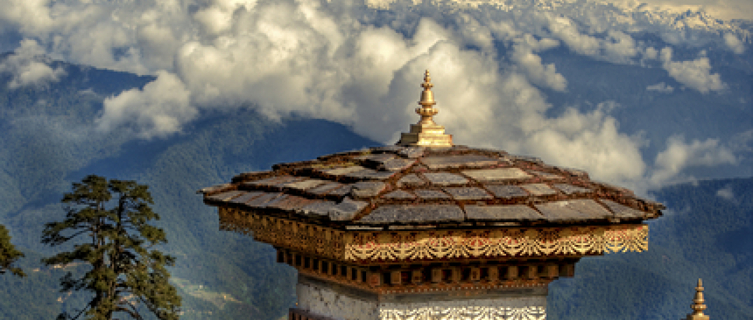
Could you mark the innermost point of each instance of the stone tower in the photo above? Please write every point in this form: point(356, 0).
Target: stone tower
point(429, 230)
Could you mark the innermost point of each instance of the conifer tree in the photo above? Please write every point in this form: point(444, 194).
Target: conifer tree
point(108, 225)
point(8, 254)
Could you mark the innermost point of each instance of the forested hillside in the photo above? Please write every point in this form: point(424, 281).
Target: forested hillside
point(707, 232)
point(49, 141)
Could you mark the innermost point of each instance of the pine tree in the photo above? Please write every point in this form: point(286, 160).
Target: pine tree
point(109, 223)
point(8, 254)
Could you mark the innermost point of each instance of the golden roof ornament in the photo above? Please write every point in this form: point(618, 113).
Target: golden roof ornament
point(698, 305)
point(426, 132)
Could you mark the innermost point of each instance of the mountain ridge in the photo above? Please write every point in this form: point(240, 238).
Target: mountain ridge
point(631, 18)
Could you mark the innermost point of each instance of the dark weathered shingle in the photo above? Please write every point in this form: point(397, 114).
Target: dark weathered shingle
point(431, 194)
point(325, 188)
point(225, 196)
point(444, 179)
point(571, 211)
point(410, 180)
point(367, 189)
point(571, 189)
point(399, 195)
point(497, 174)
point(396, 164)
point(261, 201)
point(388, 214)
point(502, 213)
point(538, 189)
point(622, 211)
point(468, 193)
point(247, 197)
point(462, 161)
point(506, 191)
point(305, 184)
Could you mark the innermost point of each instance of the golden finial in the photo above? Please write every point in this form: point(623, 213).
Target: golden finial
point(427, 111)
point(426, 132)
point(698, 305)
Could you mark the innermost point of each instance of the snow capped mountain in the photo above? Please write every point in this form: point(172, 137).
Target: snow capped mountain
point(627, 16)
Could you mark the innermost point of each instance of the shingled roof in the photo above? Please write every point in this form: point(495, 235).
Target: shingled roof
point(413, 187)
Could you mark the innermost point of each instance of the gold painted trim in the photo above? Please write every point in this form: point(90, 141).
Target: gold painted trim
point(400, 246)
point(513, 242)
point(279, 232)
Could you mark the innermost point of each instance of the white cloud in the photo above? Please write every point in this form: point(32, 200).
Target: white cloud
point(733, 43)
point(332, 60)
point(160, 109)
point(30, 16)
point(651, 53)
point(661, 87)
point(726, 193)
point(680, 155)
point(722, 9)
point(28, 67)
point(617, 46)
point(695, 74)
point(592, 141)
point(540, 74)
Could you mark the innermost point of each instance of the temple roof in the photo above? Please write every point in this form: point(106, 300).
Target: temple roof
point(414, 187)
point(427, 182)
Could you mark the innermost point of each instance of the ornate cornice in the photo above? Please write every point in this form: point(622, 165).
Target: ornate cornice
point(466, 313)
point(368, 247)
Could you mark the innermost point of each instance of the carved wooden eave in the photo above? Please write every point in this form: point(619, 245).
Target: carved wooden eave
point(395, 247)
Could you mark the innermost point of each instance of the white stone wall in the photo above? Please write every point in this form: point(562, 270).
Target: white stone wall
point(324, 301)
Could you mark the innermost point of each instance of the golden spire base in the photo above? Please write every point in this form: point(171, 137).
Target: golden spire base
point(426, 133)
point(698, 305)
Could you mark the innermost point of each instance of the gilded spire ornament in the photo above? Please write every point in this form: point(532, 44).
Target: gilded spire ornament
point(698, 305)
point(426, 132)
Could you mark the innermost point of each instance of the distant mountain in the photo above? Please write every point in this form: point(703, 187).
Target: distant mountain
point(629, 16)
point(707, 233)
point(50, 141)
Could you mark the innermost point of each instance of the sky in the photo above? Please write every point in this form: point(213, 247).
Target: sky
point(360, 64)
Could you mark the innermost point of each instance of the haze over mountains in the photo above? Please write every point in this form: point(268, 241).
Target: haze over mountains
point(637, 96)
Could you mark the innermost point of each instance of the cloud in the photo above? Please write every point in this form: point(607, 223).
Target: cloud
point(722, 9)
point(726, 193)
point(543, 75)
point(592, 141)
point(27, 66)
point(160, 109)
point(695, 74)
point(661, 87)
point(733, 43)
point(616, 46)
point(361, 67)
point(650, 53)
point(680, 155)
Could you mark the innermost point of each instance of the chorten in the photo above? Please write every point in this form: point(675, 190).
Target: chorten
point(429, 230)
point(426, 132)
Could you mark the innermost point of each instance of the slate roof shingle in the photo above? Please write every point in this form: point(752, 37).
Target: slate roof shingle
point(394, 186)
